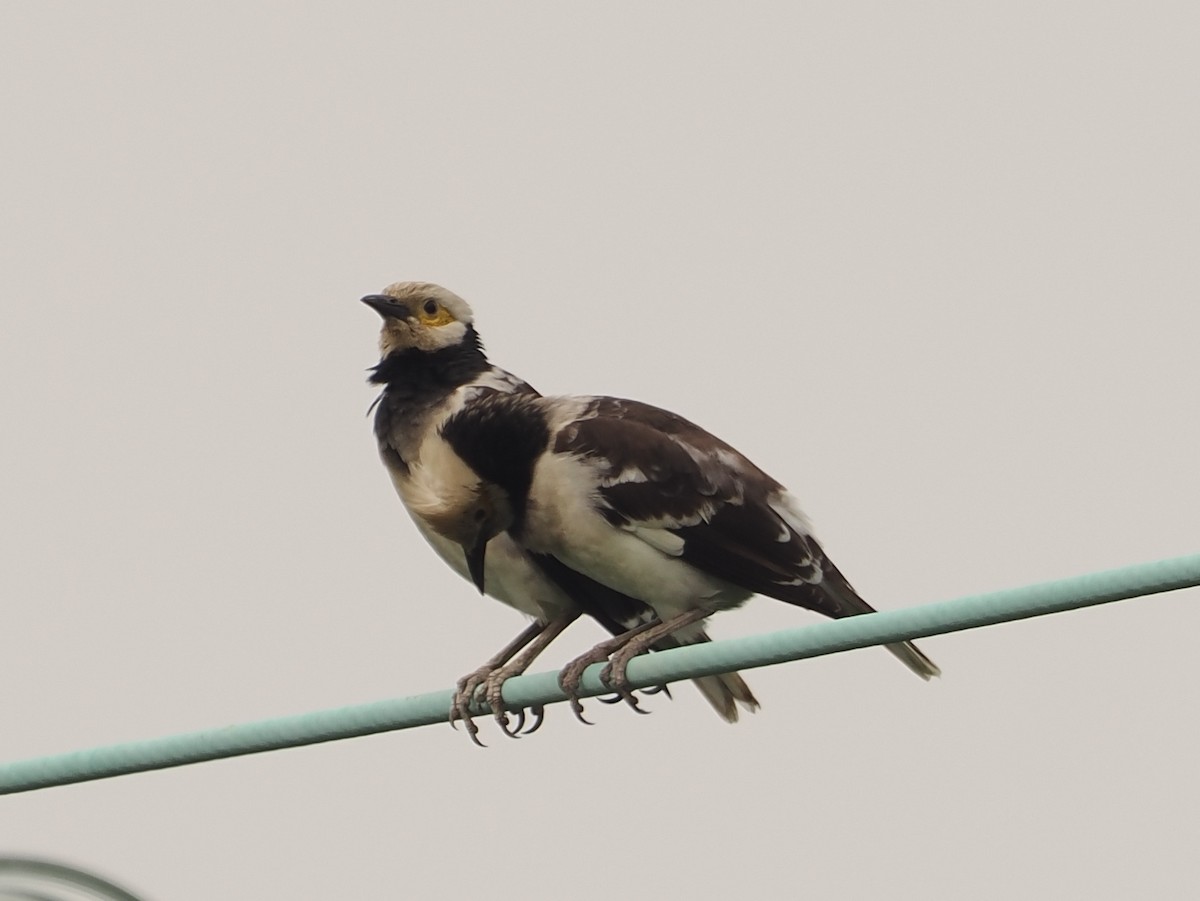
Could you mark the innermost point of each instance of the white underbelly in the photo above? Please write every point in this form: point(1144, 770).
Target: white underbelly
point(624, 562)
point(508, 574)
point(566, 523)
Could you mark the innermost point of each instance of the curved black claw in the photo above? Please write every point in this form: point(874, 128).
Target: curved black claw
point(462, 712)
point(623, 692)
point(617, 698)
point(457, 711)
point(633, 703)
point(468, 724)
point(568, 681)
point(460, 708)
point(577, 709)
point(539, 716)
point(515, 731)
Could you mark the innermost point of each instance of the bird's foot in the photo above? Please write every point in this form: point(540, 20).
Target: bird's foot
point(614, 673)
point(621, 685)
point(572, 674)
point(492, 691)
point(465, 692)
point(486, 684)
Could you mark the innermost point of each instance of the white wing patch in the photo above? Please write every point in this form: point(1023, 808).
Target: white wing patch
point(789, 511)
point(659, 539)
point(625, 476)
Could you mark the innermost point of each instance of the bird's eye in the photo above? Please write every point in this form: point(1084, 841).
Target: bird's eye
point(430, 307)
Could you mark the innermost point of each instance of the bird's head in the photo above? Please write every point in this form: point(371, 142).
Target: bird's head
point(419, 316)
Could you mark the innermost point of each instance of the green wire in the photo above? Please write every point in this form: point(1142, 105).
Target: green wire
point(665, 666)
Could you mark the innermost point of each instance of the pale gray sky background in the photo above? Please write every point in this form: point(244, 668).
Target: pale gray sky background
point(932, 265)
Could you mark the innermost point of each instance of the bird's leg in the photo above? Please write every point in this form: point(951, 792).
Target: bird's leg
point(464, 690)
point(572, 673)
point(614, 673)
point(494, 683)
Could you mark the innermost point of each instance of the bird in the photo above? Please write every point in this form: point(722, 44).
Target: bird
point(432, 366)
point(652, 506)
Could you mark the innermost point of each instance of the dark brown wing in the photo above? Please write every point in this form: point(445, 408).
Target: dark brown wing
point(661, 471)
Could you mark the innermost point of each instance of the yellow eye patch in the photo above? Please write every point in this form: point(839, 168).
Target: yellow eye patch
point(440, 316)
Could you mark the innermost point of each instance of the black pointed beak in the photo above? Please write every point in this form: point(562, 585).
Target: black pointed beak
point(388, 306)
point(475, 555)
